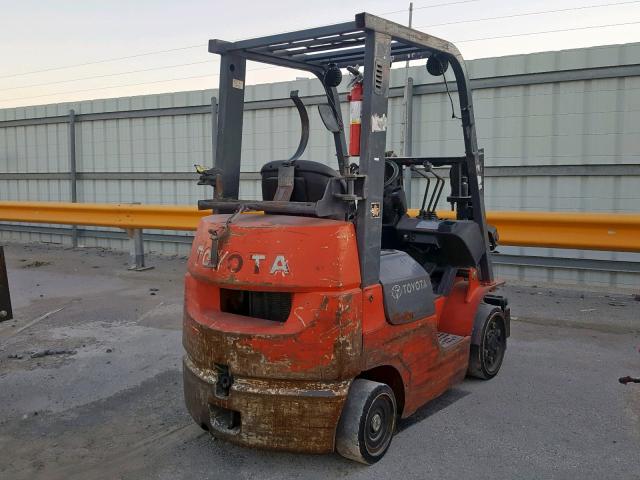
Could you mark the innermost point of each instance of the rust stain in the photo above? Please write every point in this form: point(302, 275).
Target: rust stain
point(313, 347)
point(273, 414)
point(324, 303)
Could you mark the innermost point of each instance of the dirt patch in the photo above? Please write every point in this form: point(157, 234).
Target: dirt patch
point(36, 264)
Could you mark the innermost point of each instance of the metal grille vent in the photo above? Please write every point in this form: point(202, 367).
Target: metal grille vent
point(274, 306)
point(378, 77)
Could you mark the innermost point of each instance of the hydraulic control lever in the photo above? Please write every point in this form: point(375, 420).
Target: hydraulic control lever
point(428, 211)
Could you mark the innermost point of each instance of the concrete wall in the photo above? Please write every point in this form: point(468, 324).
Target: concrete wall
point(559, 129)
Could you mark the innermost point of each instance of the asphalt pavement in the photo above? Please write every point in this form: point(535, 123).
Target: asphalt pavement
point(102, 395)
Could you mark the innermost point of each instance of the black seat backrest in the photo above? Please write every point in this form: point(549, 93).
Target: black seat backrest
point(310, 180)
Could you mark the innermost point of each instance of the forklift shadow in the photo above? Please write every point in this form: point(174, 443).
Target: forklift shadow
point(431, 408)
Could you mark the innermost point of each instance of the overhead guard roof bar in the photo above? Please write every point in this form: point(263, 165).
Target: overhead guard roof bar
point(290, 37)
point(333, 41)
point(354, 56)
point(343, 44)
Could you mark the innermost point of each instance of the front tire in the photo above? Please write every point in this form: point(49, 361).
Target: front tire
point(367, 423)
point(486, 359)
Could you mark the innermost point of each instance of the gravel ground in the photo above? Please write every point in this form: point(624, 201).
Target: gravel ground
point(108, 402)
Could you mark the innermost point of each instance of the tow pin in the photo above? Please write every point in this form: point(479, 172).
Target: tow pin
point(214, 257)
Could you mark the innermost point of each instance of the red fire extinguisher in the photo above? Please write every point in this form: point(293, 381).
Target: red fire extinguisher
point(355, 108)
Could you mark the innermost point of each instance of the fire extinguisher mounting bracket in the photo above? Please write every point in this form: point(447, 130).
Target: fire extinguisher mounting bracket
point(356, 75)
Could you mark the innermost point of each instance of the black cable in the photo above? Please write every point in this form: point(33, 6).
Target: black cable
point(105, 88)
point(104, 76)
point(430, 6)
point(446, 85)
point(101, 61)
point(156, 52)
point(541, 12)
point(455, 41)
point(123, 86)
point(563, 30)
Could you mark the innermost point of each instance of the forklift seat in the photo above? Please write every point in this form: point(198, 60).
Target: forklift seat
point(310, 180)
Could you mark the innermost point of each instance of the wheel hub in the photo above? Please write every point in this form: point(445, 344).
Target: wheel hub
point(379, 424)
point(493, 345)
point(376, 422)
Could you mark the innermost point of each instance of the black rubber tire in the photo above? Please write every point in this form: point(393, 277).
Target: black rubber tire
point(367, 423)
point(486, 359)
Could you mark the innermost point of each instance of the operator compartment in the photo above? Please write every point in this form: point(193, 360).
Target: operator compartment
point(439, 247)
point(457, 242)
point(279, 297)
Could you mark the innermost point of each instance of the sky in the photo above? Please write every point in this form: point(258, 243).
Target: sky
point(90, 38)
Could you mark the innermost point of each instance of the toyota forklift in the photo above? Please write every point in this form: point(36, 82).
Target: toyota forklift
point(318, 316)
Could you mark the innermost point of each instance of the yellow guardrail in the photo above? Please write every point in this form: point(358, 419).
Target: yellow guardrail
point(589, 231)
point(163, 217)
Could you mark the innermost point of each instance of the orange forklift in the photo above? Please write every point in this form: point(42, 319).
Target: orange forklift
point(317, 323)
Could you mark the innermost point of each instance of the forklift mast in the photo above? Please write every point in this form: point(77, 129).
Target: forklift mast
point(374, 43)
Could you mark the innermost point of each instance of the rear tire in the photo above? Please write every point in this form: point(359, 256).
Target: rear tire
point(367, 423)
point(486, 359)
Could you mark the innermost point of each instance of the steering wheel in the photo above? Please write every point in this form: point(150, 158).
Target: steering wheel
point(391, 172)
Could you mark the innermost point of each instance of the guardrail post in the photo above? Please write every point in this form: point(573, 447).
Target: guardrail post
point(136, 250)
point(73, 172)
